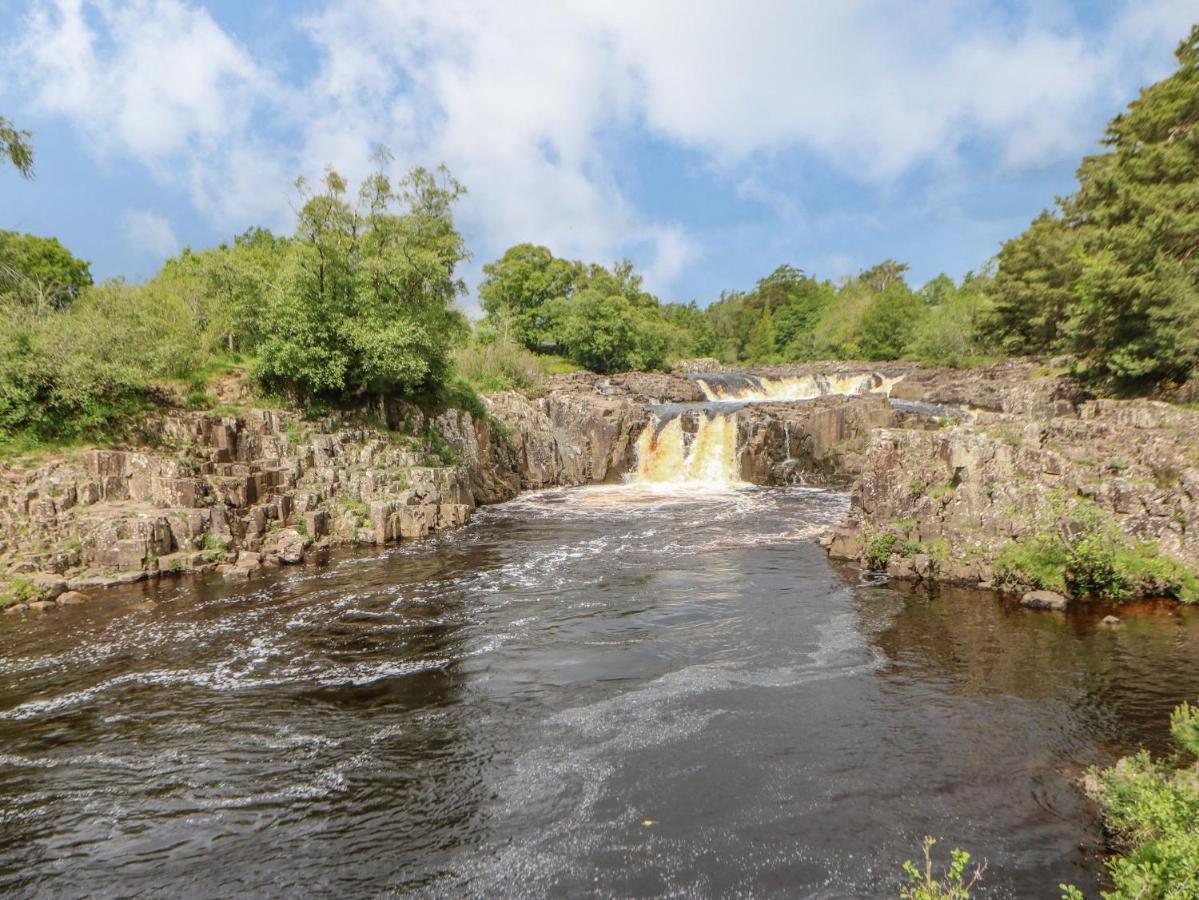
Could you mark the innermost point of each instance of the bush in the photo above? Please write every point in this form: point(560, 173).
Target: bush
point(878, 550)
point(1151, 809)
point(365, 303)
point(1090, 557)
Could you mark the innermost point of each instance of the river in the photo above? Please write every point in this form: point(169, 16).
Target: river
point(611, 691)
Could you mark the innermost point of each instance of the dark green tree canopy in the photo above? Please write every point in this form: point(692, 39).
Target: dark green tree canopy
point(1115, 279)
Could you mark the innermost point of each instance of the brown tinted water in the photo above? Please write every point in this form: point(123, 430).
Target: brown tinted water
point(594, 692)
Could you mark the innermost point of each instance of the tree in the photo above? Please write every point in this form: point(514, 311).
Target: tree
point(602, 330)
point(226, 287)
point(890, 322)
point(1115, 279)
point(881, 276)
point(1137, 315)
point(365, 303)
point(518, 288)
point(17, 145)
point(1034, 290)
point(40, 272)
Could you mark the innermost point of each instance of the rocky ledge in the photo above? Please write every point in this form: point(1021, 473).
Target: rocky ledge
point(950, 475)
point(236, 494)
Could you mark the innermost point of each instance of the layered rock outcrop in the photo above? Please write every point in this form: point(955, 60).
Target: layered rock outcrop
point(949, 469)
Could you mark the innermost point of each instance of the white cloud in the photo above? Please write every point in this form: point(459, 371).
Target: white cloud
point(150, 234)
point(525, 100)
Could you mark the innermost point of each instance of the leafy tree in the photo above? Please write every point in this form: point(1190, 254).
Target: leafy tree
point(949, 334)
point(890, 321)
point(227, 287)
point(883, 275)
point(690, 330)
point(17, 145)
point(365, 302)
point(40, 271)
point(602, 330)
point(518, 289)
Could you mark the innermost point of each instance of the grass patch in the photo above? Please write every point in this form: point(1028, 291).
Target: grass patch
point(17, 590)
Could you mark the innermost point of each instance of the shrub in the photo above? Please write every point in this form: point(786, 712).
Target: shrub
point(1151, 809)
point(1090, 557)
point(499, 364)
point(878, 550)
point(953, 885)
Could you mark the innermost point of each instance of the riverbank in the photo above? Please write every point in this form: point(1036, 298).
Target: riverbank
point(986, 478)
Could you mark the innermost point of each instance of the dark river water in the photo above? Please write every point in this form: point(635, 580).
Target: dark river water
point(591, 692)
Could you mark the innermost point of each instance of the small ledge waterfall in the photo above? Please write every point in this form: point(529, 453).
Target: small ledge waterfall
point(696, 443)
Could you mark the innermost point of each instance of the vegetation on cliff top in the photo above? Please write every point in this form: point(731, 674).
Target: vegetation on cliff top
point(361, 299)
point(1111, 279)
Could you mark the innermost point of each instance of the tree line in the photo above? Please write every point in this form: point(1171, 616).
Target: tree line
point(361, 300)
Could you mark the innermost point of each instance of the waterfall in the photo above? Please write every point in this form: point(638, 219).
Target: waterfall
point(669, 454)
point(762, 389)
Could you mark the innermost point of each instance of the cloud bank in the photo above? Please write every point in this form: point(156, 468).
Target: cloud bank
point(538, 106)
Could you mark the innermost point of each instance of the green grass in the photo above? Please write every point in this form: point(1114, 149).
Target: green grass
point(16, 589)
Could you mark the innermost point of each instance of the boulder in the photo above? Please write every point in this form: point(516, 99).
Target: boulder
point(1110, 621)
point(49, 586)
point(70, 598)
point(1044, 600)
point(290, 546)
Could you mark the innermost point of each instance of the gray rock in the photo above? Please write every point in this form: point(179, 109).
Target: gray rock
point(290, 546)
point(1044, 600)
point(69, 598)
point(48, 585)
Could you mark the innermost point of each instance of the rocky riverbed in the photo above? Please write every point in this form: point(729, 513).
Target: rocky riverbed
point(945, 468)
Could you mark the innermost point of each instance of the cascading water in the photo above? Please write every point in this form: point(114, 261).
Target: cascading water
point(667, 453)
point(760, 389)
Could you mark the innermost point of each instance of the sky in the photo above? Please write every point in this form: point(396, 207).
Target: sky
point(709, 142)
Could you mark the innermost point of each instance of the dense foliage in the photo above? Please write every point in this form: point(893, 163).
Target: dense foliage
point(599, 318)
point(360, 301)
point(1151, 808)
point(1113, 278)
point(1085, 553)
point(365, 298)
point(603, 319)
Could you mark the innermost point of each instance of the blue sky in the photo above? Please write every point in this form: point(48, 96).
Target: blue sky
point(708, 141)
